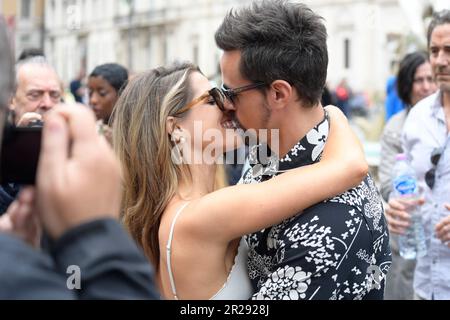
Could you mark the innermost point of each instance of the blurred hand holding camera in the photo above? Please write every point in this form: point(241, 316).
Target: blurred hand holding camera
point(29, 118)
point(78, 178)
point(21, 219)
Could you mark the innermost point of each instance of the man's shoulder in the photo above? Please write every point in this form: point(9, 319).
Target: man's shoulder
point(395, 124)
point(363, 199)
point(423, 107)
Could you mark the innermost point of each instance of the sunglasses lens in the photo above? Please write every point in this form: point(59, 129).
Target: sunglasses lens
point(227, 93)
point(219, 98)
point(435, 158)
point(429, 178)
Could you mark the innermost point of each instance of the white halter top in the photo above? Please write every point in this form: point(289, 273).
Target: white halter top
point(237, 286)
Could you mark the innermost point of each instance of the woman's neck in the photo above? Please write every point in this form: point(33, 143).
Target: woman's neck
point(203, 181)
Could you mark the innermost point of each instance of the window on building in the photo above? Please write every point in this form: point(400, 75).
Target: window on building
point(25, 9)
point(347, 56)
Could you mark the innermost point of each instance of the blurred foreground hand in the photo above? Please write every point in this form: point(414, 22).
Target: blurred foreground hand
point(78, 178)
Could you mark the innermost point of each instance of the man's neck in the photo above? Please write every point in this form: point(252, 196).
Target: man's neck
point(297, 122)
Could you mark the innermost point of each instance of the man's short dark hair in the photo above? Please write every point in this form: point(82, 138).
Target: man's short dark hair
point(439, 18)
point(279, 40)
point(406, 73)
point(115, 74)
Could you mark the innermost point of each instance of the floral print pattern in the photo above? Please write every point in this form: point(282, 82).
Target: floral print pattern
point(336, 249)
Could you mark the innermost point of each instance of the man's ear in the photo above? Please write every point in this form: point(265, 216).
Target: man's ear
point(280, 94)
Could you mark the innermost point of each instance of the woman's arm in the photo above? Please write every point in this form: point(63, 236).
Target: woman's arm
point(235, 211)
point(343, 146)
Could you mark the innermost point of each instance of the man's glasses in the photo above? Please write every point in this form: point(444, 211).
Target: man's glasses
point(430, 175)
point(233, 93)
point(215, 95)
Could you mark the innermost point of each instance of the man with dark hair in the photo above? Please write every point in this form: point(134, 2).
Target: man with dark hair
point(426, 140)
point(274, 69)
point(77, 201)
point(414, 83)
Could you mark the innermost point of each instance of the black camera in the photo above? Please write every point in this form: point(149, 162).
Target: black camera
point(20, 153)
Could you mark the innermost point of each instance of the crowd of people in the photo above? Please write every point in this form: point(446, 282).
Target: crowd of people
point(127, 183)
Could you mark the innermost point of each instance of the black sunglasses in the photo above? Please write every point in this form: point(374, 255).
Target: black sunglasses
point(214, 95)
point(430, 175)
point(233, 93)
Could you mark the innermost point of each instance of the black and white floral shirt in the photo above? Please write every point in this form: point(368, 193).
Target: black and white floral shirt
point(336, 249)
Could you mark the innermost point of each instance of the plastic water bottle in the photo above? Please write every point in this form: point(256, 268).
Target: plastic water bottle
point(412, 243)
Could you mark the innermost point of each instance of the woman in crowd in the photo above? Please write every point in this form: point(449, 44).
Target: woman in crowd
point(104, 85)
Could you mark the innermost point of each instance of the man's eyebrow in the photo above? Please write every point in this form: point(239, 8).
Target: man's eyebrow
point(435, 46)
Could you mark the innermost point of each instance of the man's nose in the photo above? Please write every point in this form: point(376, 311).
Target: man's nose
point(47, 102)
point(443, 59)
point(229, 105)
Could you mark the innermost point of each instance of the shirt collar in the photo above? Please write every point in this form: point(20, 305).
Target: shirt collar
point(437, 109)
point(307, 150)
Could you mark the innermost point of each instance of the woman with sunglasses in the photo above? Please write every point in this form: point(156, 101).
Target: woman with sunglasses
point(167, 131)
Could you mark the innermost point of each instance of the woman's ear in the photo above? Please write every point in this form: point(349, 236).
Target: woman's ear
point(173, 129)
point(170, 125)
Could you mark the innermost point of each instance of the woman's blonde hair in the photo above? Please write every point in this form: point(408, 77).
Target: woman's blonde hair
point(144, 147)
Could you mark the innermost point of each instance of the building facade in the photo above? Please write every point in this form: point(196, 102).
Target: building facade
point(25, 19)
point(366, 37)
point(138, 34)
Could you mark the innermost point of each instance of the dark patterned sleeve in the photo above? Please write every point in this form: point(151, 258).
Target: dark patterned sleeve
point(325, 253)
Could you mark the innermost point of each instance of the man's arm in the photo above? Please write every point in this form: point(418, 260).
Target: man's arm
point(28, 274)
point(109, 262)
point(100, 253)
